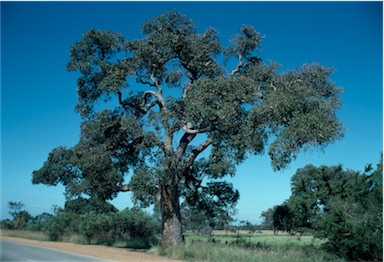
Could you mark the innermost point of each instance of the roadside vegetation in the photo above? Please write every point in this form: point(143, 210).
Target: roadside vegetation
point(84, 221)
point(332, 215)
point(241, 245)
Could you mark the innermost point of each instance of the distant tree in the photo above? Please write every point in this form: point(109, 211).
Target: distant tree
point(267, 218)
point(6, 224)
point(20, 216)
point(15, 208)
point(194, 219)
point(283, 219)
point(249, 227)
point(313, 188)
point(189, 104)
point(38, 222)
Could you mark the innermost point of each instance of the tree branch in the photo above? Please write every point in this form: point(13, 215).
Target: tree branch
point(197, 151)
point(156, 82)
point(184, 142)
point(140, 78)
point(122, 188)
point(239, 65)
point(125, 104)
point(188, 129)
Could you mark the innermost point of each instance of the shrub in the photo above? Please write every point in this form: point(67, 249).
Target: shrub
point(135, 226)
point(6, 224)
point(63, 222)
point(96, 227)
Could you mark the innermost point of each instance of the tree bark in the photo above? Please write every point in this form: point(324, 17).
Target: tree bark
point(171, 217)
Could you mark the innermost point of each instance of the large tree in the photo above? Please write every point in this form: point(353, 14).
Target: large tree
point(171, 98)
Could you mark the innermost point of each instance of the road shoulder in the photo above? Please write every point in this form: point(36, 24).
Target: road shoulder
point(108, 253)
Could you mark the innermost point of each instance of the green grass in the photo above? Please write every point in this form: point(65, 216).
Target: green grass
point(219, 252)
point(264, 238)
point(259, 247)
point(227, 247)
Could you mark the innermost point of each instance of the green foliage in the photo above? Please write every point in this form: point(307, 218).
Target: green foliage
point(213, 202)
point(97, 164)
point(15, 208)
point(97, 227)
point(20, 217)
point(38, 222)
point(162, 133)
point(267, 218)
point(84, 205)
point(344, 207)
point(261, 248)
point(283, 219)
point(132, 227)
point(61, 224)
point(136, 226)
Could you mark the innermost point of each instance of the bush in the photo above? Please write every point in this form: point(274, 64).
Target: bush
point(38, 222)
point(97, 228)
point(135, 226)
point(6, 224)
point(62, 223)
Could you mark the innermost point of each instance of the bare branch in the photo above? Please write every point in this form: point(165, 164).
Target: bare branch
point(122, 188)
point(140, 78)
point(125, 104)
point(156, 82)
point(188, 129)
point(149, 92)
point(184, 142)
point(239, 65)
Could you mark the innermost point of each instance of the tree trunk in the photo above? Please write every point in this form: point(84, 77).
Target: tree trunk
point(171, 218)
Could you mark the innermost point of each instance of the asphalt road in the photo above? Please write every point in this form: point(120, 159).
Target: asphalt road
point(13, 251)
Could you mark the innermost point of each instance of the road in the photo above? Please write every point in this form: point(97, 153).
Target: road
point(13, 251)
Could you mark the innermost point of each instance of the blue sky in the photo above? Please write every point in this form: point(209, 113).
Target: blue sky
point(38, 96)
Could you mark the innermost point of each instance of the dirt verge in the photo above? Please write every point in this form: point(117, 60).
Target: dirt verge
point(109, 253)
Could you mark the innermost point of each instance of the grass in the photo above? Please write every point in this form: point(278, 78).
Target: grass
point(70, 238)
point(258, 247)
point(219, 252)
point(262, 238)
point(240, 247)
point(34, 235)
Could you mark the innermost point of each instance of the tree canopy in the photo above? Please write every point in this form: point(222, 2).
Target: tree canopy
point(169, 99)
point(345, 207)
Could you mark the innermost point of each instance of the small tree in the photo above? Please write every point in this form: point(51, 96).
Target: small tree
point(267, 217)
point(251, 228)
point(20, 217)
point(283, 219)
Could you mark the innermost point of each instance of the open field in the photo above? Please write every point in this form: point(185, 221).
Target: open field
point(264, 237)
point(240, 246)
